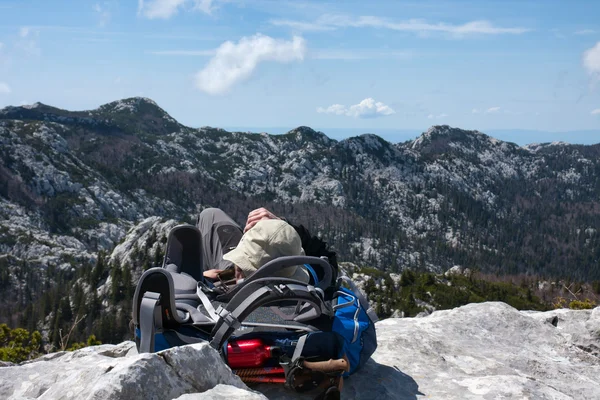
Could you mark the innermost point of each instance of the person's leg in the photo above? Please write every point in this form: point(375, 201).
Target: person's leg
point(220, 234)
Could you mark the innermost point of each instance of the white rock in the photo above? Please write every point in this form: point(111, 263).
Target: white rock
point(106, 372)
point(457, 270)
point(479, 351)
point(224, 392)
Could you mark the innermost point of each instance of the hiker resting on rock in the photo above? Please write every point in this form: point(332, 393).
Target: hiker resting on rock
point(264, 238)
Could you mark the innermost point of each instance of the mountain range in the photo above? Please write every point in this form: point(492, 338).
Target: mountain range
point(78, 184)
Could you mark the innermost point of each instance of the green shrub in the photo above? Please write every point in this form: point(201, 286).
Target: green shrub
point(18, 345)
point(92, 341)
point(582, 305)
point(372, 272)
point(443, 293)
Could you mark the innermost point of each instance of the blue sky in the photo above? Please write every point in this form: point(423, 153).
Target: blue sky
point(390, 67)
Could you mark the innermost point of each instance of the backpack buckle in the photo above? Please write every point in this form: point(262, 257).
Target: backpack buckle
point(228, 318)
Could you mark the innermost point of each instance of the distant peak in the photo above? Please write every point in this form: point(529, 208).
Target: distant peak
point(439, 138)
point(131, 104)
point(534, 147)
point(370, 143)
point(137, 107)
point(307, 133)
point(371, 136)
point(447, 130)
point(307, 130)
point(139, 100)
point(36, 107)
point(32, 106)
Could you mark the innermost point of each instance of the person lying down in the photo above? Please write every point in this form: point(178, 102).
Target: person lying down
point(266, 240)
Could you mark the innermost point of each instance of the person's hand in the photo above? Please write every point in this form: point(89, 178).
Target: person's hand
point(239, 274)
point(212, 274)
point(257, 215)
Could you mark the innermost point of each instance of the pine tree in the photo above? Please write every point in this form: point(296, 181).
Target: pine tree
point(128, 287)
point(115, 285)
point(65, 312)
point(98, 271)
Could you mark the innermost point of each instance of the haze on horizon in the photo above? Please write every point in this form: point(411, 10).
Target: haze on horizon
point(519, 71)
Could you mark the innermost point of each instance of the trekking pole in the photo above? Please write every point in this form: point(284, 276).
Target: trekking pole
point(262, 379)
point(328, 366)
point(245, 372)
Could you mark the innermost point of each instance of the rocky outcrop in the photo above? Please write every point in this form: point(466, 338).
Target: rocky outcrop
point(224, 392)
point(479, 351)
point(113, 372)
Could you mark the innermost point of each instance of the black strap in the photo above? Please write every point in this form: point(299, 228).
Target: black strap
point(270, 270)
point(332, 393)
point(256, 295)
point(150, 321)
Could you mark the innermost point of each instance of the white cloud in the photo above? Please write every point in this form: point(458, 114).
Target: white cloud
point(558, 33)
point(4, 88)
point(318, 54)
point(183, 52)
point(159, 8)
point(596, 111)
point(496, 110)
point(358, 54)
point(303, 26)
point(493, 110)
point(103, 14)
point(4, 59)
point(331, 22)
point(439, 116)
point(28, 41)
point(206, 6)
point(585, 32)
point(591, 60)
point(336, 109)
point(165, 9)
point(235, 62)
point(368, 108)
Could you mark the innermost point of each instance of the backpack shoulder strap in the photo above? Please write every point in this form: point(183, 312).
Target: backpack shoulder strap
point(319, 266)
point(150, 319)
point(259, 293)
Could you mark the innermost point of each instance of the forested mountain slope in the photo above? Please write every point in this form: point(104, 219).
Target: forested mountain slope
point(74, 183)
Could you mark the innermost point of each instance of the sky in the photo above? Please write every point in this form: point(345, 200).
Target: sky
point(524, 71)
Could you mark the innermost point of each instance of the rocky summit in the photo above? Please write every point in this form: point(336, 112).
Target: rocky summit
point(478, 351)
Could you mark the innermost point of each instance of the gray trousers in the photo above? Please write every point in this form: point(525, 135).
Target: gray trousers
point(220, 234)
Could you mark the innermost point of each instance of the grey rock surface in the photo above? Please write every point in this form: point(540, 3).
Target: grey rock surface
point(224, 392)
point(108, 372)
point(478, 351)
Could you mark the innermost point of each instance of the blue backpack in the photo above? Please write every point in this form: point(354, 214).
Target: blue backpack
point(268, 328)
point(354, 320)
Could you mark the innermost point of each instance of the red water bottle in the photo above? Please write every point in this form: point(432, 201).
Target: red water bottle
point(249, 353)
